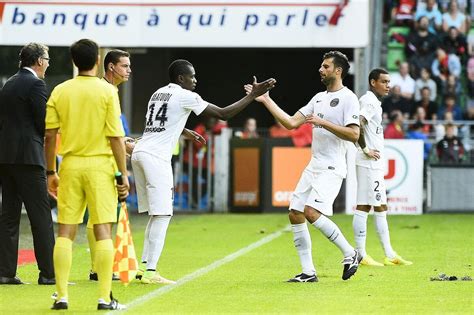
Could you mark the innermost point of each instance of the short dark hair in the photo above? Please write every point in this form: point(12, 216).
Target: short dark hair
point(340, 60)
point(30, 54)
point(177, 68)
point(425, 88)
point(84, 54)
point(394, 115)
point(114, 56)
point(375, 74)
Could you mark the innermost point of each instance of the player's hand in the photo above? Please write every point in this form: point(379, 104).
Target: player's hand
point(53, 183)
point(315, 120)
point(373, 154)
point(123, 188)
point(194, 136)
point(261, 98)
point(129, 145)
point(260, 88)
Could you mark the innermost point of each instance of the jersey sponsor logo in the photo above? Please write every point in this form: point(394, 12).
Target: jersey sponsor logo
point(154, 129)
point(331, 168)
point(318, 201)
point(318, 101)
point(334, 102)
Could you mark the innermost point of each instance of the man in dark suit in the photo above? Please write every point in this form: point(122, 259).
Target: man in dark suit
point(22, 165)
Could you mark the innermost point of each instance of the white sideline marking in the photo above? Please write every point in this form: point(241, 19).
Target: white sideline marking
point(196, 274)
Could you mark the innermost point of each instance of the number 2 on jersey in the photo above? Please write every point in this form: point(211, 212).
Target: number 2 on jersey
point(160, 115)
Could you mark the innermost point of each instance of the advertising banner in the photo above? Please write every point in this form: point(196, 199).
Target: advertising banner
point(190, 23)
point(246, 177)
point(403, 177)
point(288, 164)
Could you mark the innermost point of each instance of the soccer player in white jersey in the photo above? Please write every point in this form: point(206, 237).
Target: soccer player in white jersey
point(168, 110)
point(335, 116)
point(370, 172)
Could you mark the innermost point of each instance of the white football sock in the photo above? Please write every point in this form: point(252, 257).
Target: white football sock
point(158, 227)
point(334, 234)
point(146, 241)
point(302, 241)
point(381, 225)
point(359, 225)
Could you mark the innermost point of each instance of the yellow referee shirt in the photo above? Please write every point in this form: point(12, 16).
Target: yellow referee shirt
point(86, 110)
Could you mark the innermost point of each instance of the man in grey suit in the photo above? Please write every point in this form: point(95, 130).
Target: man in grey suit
point(22, 165)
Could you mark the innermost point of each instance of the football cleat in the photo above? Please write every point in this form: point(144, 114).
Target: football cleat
point(351, 264)
point(61, 304)
point(397, 260)
point(113, 305)
point(141, 271)
point(153, 277)
point(302, 277)
point(369, 261)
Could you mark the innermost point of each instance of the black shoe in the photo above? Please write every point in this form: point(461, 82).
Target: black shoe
point(59, 305)
point(46, 281)
point(8, 280)
point(93, 276)
point(302, 277)
point(113, 305)
point(350, 265)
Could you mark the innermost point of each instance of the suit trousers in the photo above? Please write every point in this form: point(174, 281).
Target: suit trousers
point(27, 184)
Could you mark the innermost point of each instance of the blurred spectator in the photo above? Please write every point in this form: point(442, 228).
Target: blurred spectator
point(429, 107)
point(444, 5)
point(450, 149)
point(421, 46)
point(430, 10)
point(250, 129)
point(416, 132)
point(439, 128)
point(452, 87)
point(425, 81)
point(403, 79)
point(303, 135)
point(445, 65)
point(395, 101)
point(394, 129)
point(403, 12)
point(450, 106)
point(279, 131)
point(420, 116)
point(455, 18)
point(455, 43)
point(470, 79)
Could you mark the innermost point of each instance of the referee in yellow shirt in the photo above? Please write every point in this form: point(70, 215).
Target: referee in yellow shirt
point(87, 111)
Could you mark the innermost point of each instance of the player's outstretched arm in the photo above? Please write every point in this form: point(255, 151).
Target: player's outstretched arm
point(348, 133)
point(289, 122)
point(258, 88)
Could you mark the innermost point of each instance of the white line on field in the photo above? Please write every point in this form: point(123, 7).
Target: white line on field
point(200, 272)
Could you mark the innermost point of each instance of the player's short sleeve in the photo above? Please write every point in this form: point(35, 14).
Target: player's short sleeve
point(113, 123)
point(193, 101)
point(367, 109)
point(351, 110)
point(52, 117)
point(308, 109)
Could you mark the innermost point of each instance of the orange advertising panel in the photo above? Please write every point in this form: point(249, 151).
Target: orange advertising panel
point(287, 165)
point(246, 177)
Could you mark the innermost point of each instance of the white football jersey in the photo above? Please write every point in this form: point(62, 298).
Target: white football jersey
point(328, 150)
point(168, 110)
point(371, 110)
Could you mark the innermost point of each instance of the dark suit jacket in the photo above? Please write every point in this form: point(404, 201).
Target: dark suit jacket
point(22, 120)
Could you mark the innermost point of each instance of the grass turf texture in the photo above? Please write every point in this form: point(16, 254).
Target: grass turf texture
point(255, 282)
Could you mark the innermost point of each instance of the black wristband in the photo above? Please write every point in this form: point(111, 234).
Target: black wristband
point(48, 172)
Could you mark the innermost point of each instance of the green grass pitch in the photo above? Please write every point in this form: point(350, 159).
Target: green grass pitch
point(255, 281)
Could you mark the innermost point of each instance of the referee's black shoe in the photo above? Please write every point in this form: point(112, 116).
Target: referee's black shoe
point(59, 305)
point(114, 305)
